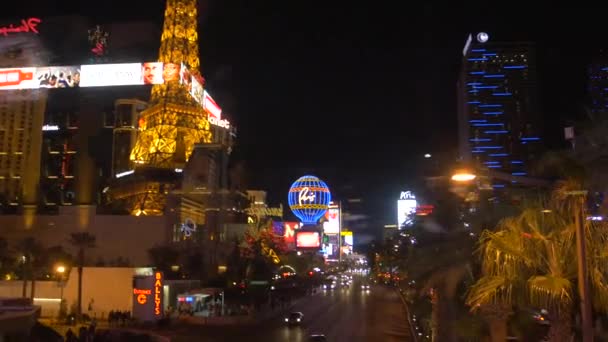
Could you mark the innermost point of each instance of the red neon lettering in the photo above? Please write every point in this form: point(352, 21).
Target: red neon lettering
point(26, 26)
point(140, 291)
point(157, 286)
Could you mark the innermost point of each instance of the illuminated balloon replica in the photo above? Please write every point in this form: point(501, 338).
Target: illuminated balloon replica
point(309, 199)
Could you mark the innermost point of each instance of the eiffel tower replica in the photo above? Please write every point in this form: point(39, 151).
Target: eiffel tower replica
point(172, 124)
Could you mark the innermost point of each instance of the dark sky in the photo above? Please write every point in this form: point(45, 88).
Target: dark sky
point(356, 92)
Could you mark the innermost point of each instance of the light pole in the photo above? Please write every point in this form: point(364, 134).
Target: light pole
point(583, 274)
point(60, 271)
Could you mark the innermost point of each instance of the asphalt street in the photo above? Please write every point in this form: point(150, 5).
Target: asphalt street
point(341, 315)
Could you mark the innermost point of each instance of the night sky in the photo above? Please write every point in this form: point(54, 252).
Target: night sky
point(356, 92)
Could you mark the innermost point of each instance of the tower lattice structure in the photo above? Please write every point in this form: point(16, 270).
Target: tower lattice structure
point(173, 123)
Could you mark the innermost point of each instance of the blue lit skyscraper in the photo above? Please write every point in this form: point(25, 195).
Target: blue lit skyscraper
point(597, 86)
point(498, 112)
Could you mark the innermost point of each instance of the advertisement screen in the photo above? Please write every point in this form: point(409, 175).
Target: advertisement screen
point(152, 73)
point(58, 77)
point(332, 225)
point(330, 246)
point(171, 72)
point(101, 75)
point(308, 240)
point(406, 209)
point(347, 243)
point(278, 228)
point(289, 231)
point(195, 88)
point(18, 78)
point(211, 107)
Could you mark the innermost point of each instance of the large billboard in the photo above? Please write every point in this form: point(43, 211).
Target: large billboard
point(347, 242)
point(288, 231)
point(406, 209)
point(103, 75)
point(332, 225)
point(308, 240)
point(107, 75)
point(98, 75)
point(58, 77)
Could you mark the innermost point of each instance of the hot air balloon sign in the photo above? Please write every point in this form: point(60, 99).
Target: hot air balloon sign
point(309, 199)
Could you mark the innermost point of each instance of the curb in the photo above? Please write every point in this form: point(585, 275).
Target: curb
point(409, 317)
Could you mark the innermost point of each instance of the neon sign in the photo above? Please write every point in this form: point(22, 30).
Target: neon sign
point(309, 199)
point(405, 195)
point(188, 227)
point(219, 122)
point(306, 195)
point(158, 285)
point(29, 25)
point(142, 295)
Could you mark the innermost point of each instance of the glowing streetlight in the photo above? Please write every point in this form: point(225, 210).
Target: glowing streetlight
point(463, 176)
point(60, 282)
point(428, 155)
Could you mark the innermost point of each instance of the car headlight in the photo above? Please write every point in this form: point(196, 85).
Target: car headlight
point(286, 319)
point(298, 320)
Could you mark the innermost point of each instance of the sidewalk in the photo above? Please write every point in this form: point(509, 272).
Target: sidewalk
point(407, 312)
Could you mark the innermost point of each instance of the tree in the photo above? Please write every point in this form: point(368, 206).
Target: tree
point(31, 253)
point(440, 262)
point(531, 260)
point(7, 258)
point(82, 241)
point(261, 247)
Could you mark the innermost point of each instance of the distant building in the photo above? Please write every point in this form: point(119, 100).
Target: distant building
point(498, 106)
point(597, 83)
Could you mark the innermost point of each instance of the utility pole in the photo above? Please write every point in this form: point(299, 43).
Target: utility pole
point(339, 234)
point(583, 274)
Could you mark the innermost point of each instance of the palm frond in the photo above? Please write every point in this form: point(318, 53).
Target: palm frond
point(490, 290)
point(550, 291)
point(599, 288)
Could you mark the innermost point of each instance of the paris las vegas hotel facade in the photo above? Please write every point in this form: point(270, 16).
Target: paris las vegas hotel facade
point(93, 138)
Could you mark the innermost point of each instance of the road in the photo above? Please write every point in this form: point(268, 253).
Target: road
point(341, 315)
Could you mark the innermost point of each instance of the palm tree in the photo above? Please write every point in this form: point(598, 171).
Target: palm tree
point(31, 253)
point(441, 262)
point(7, 257)
point(531, 260)
point(81, 241)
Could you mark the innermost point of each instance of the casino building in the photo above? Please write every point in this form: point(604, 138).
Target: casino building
point(125, 157)
point(500, 124)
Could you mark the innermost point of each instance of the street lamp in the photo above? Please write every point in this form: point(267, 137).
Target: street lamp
point(60, 272)
point(463, 176)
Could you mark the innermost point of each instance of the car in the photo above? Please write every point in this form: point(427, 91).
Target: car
point(317, 338)
point(295, 318)
point(365, 287)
